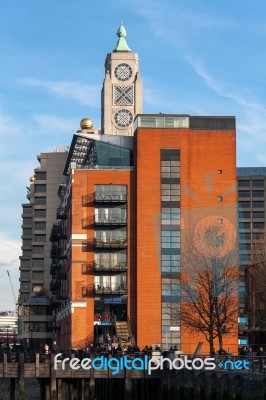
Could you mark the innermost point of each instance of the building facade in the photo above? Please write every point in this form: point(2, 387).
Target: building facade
point(131, 213)
point(138, 198)
point(251, 226)
point(35, 300)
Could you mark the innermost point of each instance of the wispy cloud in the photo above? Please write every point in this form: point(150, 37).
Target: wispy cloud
point(87, 95)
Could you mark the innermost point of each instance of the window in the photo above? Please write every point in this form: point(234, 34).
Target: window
point(258, 236)
point(40, 188)
point(220, 171)
point(40, 201)
point(243, 183)
point(258, 214)
point(244, 214)
point(245, 236)
point(40, 176)
point(220, 221)
point(220, 198)
point(258, 225)
point(244, 225)
point(258, 182)
point(258, 204)
point(37, 250)
point(38, 262)
point(40, 226)
point(244, 204)
point(244, 193)
point(27, 231)
point(244, 246)
point(40, 213)
point(170, 216)
point(39, 238)
point(170, 239)
point(258, 193)
point(170, 263)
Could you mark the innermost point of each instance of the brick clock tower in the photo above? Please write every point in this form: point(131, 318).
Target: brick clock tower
point(122, 89)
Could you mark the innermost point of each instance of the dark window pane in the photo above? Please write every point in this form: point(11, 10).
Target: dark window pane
point(242, 183)
point(244, 204)
point(244, 193)
point(258, 193)
point(258, 214)
point(258, 183)
point(244, 225)
point(258, 204)
point(258, 225)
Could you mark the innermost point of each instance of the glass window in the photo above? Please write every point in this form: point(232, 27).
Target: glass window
point(258, 182)
point(258, 225)
point(40, 226)
point(244, 246)
point(244, 214)
point(27, 231)
point(244, 204)
point(40, 188)
point(244, 193)
point(40, 201)
point(38, 262)
point(258, 214)
point(258, 204)
point(245, 236)
point(39, 238)
point(38, 249)
point(41, 176)
point(244, 225)
point(258, 193)
point(243, 183)
point(40, 213)
point(258, 236)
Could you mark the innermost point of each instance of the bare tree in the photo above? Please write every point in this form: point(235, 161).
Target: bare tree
point(209, 282)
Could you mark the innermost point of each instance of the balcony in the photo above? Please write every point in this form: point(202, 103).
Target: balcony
point(110, 243)
point(112, 289)
point(54, 268)
point(110, 220)
point(110, 197)
point(111, 266)
point(57, 252)
point(57, 233)
point(55, 285)
point(61, 213)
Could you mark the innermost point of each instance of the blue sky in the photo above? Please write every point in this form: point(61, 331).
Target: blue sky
point(196, 57)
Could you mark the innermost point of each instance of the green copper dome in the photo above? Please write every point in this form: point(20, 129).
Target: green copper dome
point(121, 44)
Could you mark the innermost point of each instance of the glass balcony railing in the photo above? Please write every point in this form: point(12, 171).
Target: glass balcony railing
point(110, 243)
point(110, 197)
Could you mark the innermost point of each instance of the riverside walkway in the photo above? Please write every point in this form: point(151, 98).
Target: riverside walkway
point(65, 383)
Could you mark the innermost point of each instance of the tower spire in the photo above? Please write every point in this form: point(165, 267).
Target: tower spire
point(121, 44)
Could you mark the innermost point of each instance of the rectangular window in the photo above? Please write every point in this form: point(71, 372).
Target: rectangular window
point(244, 214)
point(258, 214)
point(244, 246)
point(40, 226)
point(40, 213)
point(40, 176)
point(244, 225)
point(244, 193)
point(38, 262)
point(40, 201)
point(39, 188)
point(258, 236)
point(258, 193)
point(40, 238)
point(27, 232)
point(258, 204)
point(243, 183)
point(245, 236)
point(258, 182)
point(244, 204)
point(37, 249)
point(258, 225)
